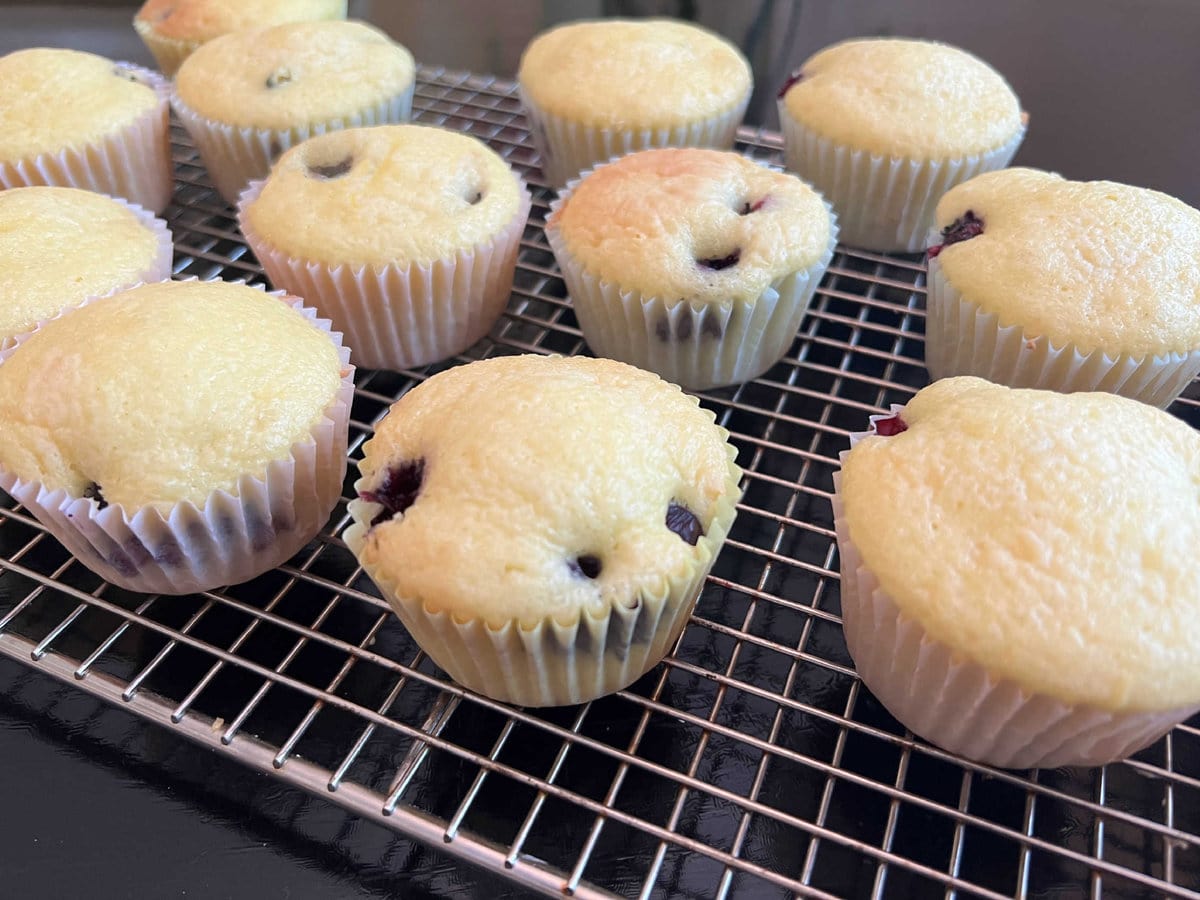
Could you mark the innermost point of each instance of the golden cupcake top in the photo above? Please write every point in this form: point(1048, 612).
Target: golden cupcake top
point(1050, 538)
point(295, 74)
point(1095, 263)
point(164, 393)
point(60, 246)
point(904, 98)
point(633, 73)
point(202, 20)
point(405, 194)
point(531, 488)
point(52, 100)
point(695, 224)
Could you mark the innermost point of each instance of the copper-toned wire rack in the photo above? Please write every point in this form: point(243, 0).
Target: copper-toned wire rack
point(752, 763)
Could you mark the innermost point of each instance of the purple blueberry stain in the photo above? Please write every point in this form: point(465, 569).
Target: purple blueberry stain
point(890, 426)
point(586, 565)
point(399, 490)
point(754, 207)
point(334, 170)
point(683, 522)
point(720, 263)
point(965, 227)
point(710, 327)
point(792, 80)
point(93, 492)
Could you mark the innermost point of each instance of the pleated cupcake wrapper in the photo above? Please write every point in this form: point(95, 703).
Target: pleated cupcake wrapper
point(182, 548)
point(133, 163)
point(158, 270)
point(956, 703)
point(549, 663)
point(882, 203)
point(963, 339)
point(402, 316)
point(236, 155)
point(567, 147)
point(168, 52)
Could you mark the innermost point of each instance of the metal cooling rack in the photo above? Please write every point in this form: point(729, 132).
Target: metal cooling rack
point(751, 764)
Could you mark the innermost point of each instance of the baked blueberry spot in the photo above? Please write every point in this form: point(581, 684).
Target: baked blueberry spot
point(892, 425)
point(965, 227)
point(335, 170)
point(399, 490)
point(93, 492)
point(710, 327)
point(586, 566)
point(754, 207)
point(474, 198)
point(719, 263)
point(274, 148)
point(684, 523)
point(662, 329)
point(279, 78)
point(684, 331)
point(792, 80)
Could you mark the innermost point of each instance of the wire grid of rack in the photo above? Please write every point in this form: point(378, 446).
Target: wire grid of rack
point(752, 763)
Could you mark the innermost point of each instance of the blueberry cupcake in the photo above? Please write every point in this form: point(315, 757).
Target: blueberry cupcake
point(75, 119)
point(593, 90)
point(248, 96)
point(1019, 571)
point(884, 127)
point(405, 236)
point(178, 436)
point(695, 264)
point(173, 29)
point(1037, 281)
point(543, 525)
point(61, 246)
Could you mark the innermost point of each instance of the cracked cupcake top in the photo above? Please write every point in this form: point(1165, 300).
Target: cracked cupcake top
point(404, 194)
point(295, 74)
point(693, 224)
point(905, 98)
point(1050, 538)
point(535, 487)
point(203, 20)
point(1101, 265)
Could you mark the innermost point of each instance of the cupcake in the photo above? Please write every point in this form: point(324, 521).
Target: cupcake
point(247, 97)
point(79, 120)
point(405, 236)
point(595, 90)
point(695, 264)
point(1019, 571)
point(61, 246)
point(173, 29)
point(543, 525)
point(1036, 281)
point(884, 127)
point(178, 436)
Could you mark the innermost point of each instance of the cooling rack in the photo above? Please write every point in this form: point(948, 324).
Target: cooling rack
point(751, 763)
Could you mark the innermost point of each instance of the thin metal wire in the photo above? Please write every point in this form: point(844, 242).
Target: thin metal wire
point(752, 763)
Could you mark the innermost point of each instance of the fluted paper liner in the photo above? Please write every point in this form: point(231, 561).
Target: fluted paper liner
point(400, 316)
point(133, 162)
point(689, 343)
point(882, 203)
point(168, 52)
point(158, 270)
point(954, 702)
point(236, 155)
point(550, 663)
point(567, 147)
point(961, 338)
point(182, 548)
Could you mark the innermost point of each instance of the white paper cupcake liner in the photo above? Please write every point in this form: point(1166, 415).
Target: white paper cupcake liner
point(567, 147)
point(694, 345)
point(169, 53)
point(549, 663)
point(882, 203)
point(182, 548)
point(963, 339)
point(234, 155)
point(956, 703)
point(159, 269)
point(133, 162)
point(402, 316)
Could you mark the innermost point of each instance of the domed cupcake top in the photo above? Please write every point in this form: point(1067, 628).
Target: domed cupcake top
point(1099, 264)
point(905, 98)
point(1048, 537)
point(164, 393)
point(695, 224)
point(374, 196)
point(203, 20)
point(527, 488)
point(52, 99)
point(633, 73)
point(293, 74)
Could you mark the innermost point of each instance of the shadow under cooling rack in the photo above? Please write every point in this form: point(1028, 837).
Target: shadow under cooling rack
point(752, 763)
